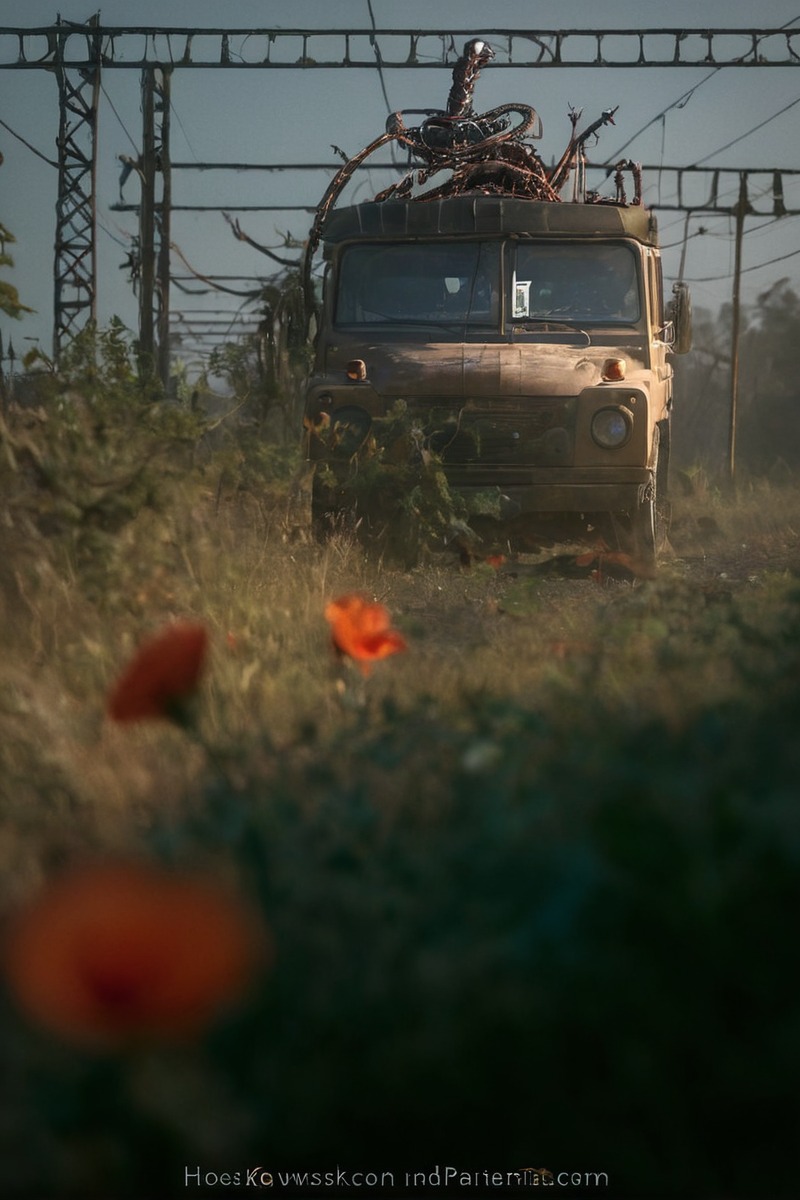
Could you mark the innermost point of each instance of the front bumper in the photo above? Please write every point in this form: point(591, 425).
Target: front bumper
point(557, 490)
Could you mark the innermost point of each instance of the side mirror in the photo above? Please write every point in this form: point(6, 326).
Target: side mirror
point(679, 315)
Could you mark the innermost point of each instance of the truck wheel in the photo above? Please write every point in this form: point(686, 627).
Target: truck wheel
point(395, 538)
point(324, 523)
point(641, 532)
point(330, 511)
point(645, 530)
point(327, 519)
point(401, 541)
point(648, 528)
point(649, 522)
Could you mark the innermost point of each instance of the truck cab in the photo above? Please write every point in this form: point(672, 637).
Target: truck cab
point(528, 343)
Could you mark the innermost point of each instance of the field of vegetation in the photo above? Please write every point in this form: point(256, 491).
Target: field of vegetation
point(519, 898)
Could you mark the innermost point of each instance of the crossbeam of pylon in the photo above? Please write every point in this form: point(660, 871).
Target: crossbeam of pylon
point(135, 47)
point(675, 181)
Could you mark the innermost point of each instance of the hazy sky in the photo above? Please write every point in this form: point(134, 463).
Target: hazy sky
point(674, 116)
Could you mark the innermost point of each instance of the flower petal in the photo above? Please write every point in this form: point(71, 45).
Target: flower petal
point(165, 671)
point(122, 950)
point(361, 629)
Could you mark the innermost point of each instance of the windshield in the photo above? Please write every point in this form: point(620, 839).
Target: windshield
point(422, 283)
point(575, 281)
point(457, 284)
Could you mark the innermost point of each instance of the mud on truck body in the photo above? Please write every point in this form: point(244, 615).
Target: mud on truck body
point(525, 338)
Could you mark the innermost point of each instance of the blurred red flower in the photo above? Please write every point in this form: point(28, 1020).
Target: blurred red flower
point(361, 630)
point(164, 672)
point(121, 951)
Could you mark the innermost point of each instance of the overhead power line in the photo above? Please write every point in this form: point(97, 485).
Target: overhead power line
point(122, 124)
point(744, 270)
point(747, 133)
point(27, 144)
point(685, 97)
point(379, 61)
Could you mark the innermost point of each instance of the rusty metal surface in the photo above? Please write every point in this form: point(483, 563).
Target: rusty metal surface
point(492, 215)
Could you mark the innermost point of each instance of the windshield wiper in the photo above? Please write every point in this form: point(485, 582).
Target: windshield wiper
point(548, 325)
point(429, 323)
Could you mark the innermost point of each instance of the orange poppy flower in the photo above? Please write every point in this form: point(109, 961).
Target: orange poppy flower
point(361, 630)
point(162, 675)
point(117, 951)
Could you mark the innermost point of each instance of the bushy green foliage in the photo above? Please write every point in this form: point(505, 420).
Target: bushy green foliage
point(10, 303)
point(266, 371)
point(97, 449)
point(766, 433)
point(394, 487)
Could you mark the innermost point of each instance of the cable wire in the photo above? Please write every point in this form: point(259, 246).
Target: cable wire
point(119, 118)
point(177, 117)
point(742, 136)
point(757, 267)
point(682, 101)
point(379, 60)
point(32, 149)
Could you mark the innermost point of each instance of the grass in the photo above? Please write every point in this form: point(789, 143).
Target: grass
point(530, 884)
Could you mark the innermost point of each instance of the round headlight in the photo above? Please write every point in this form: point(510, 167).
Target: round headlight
point(318, 412)
point(349, 430)
point(611, 427)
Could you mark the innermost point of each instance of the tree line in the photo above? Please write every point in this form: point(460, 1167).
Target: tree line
point(768, 424)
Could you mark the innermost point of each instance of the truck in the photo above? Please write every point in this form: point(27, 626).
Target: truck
point(526, 341)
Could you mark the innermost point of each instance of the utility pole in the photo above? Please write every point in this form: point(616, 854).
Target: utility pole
point(154, 225)
point(742, 208)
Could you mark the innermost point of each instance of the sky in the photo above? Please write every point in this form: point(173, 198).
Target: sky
point(666, 117)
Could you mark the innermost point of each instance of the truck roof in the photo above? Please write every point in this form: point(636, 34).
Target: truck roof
point(488, 216)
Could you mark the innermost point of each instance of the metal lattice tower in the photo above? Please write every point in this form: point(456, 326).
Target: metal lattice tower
point(75, 249)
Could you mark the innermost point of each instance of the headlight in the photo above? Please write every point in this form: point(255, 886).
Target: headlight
point(611, 427)
point(318, 413)
point(349, 430)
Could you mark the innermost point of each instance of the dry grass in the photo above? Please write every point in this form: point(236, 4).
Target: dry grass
point(529, 794)
point(661, 647)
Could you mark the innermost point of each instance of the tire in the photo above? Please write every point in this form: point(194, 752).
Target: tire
point(645, 529)
point(328, 518)
point(324, 523)
point(651, 518)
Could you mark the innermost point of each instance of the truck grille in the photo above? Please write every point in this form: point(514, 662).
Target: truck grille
point(540, 434)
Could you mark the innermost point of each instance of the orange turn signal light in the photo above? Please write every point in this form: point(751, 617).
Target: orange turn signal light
point(613, 370)
point(356, 369)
